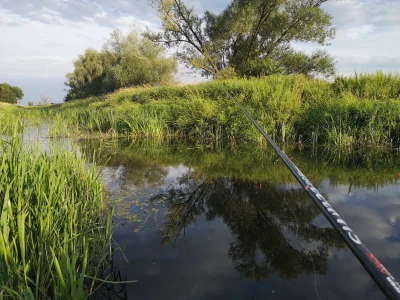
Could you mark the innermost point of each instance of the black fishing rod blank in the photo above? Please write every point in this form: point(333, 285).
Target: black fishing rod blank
point(378, 272)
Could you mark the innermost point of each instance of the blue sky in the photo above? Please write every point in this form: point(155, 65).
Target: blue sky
point(41, 38)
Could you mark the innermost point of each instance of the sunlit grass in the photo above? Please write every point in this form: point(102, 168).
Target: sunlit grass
point(54, 230)
point(378, 86)
point(8, 113)
point(351, 111)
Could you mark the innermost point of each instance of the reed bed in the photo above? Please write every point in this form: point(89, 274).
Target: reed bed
point(378, 86)
point(8, 114)
point(55, 233)
point(351, 111)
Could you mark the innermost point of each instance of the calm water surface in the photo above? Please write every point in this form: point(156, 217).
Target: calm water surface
point(232, 223)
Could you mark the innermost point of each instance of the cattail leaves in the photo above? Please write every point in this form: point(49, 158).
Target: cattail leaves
point(54, 229)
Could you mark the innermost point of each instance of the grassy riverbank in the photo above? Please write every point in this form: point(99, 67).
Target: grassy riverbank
point(54, 229)
point(7, 113)
point(361, 110)
point(7, 108)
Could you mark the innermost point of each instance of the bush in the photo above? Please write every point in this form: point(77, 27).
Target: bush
point(125, 61)
point(10, 94)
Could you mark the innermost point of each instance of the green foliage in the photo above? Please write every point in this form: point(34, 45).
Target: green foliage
point(290, 108)
point(8, 109)
point(53, 233)
point(8, 114)
point(378, 86)
point(291, 62)
point(10, 94)
point(89, 73)
point(204, 111)
point(350, 122)
point(246, 34)
point(124, 61)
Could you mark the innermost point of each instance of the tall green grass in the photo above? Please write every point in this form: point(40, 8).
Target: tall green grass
point(378, 86)
point(351, 111)
point(202, 111)
point(8, 114)
point(350, 122)
point(54, 230)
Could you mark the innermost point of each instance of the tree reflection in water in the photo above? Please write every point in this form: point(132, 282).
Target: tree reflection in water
point(249, 190)
point(265, 220)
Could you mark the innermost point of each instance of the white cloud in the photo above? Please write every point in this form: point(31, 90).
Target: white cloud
point(46, 16)
point(101, 15)
point(348, 65)
point(55, 32)
point(358, 32)
point(9, 19)
point(35, 66)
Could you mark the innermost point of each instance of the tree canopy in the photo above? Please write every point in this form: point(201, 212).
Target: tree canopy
point(10, 94)
point(124, 61)
point(249, 37)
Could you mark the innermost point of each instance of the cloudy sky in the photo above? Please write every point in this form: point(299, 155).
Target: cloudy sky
point(39, 39)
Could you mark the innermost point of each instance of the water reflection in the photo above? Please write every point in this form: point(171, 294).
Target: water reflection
point(232, 222)
point(147, 163)
point(263, 218)
point(113, 288)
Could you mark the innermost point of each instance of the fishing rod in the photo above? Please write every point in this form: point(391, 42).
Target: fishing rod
point(388, 284)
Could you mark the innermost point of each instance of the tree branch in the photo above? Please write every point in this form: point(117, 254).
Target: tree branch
point(263, 18)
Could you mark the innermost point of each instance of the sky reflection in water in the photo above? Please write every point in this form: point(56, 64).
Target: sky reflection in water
point(232, 223)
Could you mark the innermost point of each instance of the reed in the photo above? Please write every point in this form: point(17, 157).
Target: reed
point(8, 114)
point(349, 112)
point(378, 86)
point(55, 234)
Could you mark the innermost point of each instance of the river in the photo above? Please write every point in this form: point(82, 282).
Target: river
point(230, 221)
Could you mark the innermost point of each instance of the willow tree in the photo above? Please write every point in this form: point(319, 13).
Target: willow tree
point(10, 94)
point(125, 61)
point(246, 35)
